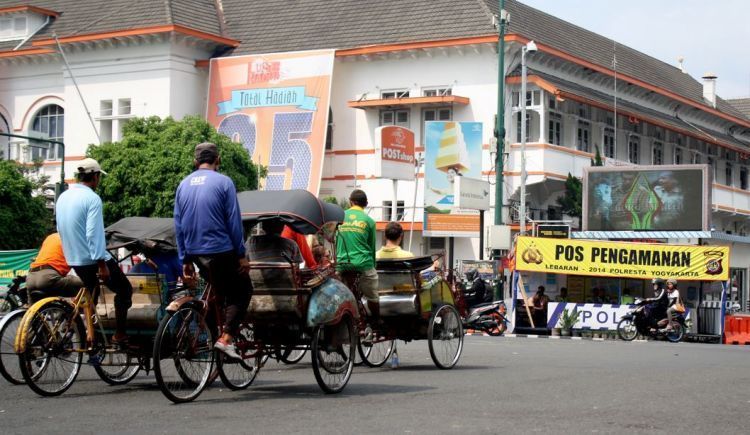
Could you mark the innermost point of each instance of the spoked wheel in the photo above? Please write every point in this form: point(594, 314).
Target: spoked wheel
point(333, 349)
point(53, 349)
point(240, 374)
point(499, 329)
point(445, 337)
point(626, 330)
point(9, 367)
point(6, 306)
point(183, 355)
point(675, 335)
point(118, 368)
point(291, 354)
point(375, 354)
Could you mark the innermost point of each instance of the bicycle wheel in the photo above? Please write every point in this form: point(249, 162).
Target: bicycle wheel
point(9, 367)
point(118, 368)
point(333, 349)
point(6, 305)
point(240, 374)
point(445, 337)
point(626, 330)
point(291, 354)
point(183, 355)
point(376, 353)
point(54, 346)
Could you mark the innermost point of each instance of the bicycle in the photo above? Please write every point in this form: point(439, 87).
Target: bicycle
point(52, 338)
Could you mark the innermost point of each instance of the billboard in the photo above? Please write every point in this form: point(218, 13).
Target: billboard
point(621, 259)
point(471, 193)
point(276, 105)
point(395, 146)
point(647, 198)
point(15, 263)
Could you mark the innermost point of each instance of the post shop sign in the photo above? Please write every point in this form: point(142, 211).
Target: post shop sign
point(395, 146)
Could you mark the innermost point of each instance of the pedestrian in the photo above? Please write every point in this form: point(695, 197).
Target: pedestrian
point(49, 271)
point(80, 222)
point(208, 228)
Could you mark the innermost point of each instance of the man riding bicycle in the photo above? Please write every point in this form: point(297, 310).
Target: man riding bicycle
point(208, 227)
point(49, 271)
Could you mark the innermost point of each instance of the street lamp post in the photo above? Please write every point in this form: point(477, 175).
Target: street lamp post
point(529, 47)
point(500, 117)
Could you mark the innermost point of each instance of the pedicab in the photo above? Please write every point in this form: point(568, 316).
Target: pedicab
point(416, 303)
point(291, 309)
point(55, 332)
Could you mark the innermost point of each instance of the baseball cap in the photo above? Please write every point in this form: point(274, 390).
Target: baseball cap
point(89, 166)
point(206, 150)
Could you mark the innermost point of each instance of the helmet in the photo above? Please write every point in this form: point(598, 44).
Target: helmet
point(658, 281)
point(672, 281)
point(471, 274)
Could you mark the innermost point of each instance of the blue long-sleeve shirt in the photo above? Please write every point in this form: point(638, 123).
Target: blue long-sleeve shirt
point(207, 215)
point(80, 223)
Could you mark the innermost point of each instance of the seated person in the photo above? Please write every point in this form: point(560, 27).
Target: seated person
point(271, 247)
point(301, 242)
point(322, 255)
point(167, 264)
point(49, 271)
point(394, 235)
point(563, 297)
point(477, 289)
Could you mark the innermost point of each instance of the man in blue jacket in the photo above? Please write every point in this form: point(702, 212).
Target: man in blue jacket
point(208, 227)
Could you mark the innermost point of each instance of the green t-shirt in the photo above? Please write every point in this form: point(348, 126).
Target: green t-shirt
point(355, 246)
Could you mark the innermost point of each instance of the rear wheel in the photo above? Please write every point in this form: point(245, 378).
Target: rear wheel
point(676, 333)
point(53, 349)
point(499, 328)
point(445, 337)
point(183, 355)
point(333, 349)
point(291, 354)
point(626, 329)
point(240, 374)
point(118, 368)
point(9, 367)
point(376, 353)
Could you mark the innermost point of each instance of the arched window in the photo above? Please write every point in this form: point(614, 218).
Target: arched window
point(4, 140)
point(48, 122)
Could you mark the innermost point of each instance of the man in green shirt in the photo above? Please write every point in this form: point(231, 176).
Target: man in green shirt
point(355, 250)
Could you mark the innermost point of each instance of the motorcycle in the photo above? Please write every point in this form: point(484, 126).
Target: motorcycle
point(489, 318)
point(14, 297)
point(640, 322)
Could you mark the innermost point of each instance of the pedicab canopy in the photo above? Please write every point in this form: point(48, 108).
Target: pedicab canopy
point(144, 233)
point(299, 209)
point(622, 259)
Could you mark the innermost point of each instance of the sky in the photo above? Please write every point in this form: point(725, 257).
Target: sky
point(712, 36)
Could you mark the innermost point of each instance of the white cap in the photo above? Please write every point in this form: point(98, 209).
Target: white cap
point(89, 166)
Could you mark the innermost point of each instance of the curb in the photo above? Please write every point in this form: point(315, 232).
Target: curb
point(548, 337)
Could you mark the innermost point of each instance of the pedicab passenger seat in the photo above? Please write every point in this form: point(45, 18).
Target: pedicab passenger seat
point(397, 285)
point(275, 290)
point(143, 313)
point(414, 264)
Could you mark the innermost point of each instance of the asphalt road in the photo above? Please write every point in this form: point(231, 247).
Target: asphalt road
point(501, 385)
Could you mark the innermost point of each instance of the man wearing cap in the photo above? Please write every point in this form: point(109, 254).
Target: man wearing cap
point(208, 227)
point(80, 223)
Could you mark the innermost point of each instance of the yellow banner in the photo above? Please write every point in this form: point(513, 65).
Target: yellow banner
point(622, 259)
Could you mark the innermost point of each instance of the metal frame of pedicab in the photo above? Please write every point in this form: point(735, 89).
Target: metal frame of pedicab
point(421, 305)
point(293, 310)
point(146, 235)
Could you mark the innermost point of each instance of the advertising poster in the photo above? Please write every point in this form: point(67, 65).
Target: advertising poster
point(276, 105)
point(621, 259)
point(395, 146)
point(452, 149)
point(652, 198)
point(14, 263)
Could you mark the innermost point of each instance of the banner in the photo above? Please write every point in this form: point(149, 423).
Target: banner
point(14, 263)
point(593, 316)
point(452, 149)
point(621, 259)
point(395, 146)
point(277, 106)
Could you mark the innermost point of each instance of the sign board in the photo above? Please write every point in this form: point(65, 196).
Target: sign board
point(591, 316)
point(395, 146)
point(487, 269)
point(647, 198)
point(452, 150)
point(621, 259)
point(471, 193)
point(276, 105)
point(15, 263)
point(553, 231)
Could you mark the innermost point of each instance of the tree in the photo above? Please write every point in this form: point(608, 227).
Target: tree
point(154, 155)
point(24, 218)
point(571, 201)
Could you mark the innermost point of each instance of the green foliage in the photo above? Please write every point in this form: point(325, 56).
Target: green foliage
point(568, 319)
point(572, 201)
point(597, 160)
point(343, 202)
point(154, 155)
point(24, 218)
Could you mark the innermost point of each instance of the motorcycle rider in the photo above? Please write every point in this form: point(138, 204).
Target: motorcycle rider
point(657, 306)
point(477, 288)
point(674, 298)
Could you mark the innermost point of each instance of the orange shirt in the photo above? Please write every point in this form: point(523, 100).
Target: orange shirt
point(51, 254)
point(304, 248)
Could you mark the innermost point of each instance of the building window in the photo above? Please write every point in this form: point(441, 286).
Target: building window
point(555, 129)
point(49, 123)
point(609, 143)
point(518, 126)
point(677, 156)
point(712, 163)
point(395, 117)
point(12, 28)
point(4, 140)
point(397, 93)
point(743, 178)
point(583, 135)
point(657, 154)
point(584, 111)
point(697, 158)
point(437, 243)
point(634, 149)
point(437, 92)
point(329, 130)
point(533, 98)
point(436, 114)
point(552, 102)
point(123, 106)
point(728, 173)
point(388, 211)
